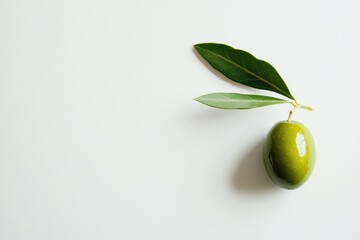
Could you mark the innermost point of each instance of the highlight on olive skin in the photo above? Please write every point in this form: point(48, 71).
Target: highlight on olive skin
point(289, 150)
point(289, 154)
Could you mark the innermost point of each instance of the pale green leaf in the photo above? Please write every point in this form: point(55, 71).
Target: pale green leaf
point(238, 101)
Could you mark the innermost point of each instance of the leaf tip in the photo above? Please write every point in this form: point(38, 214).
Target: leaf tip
point(197, 46)
point(197, 99)
point(203, 45)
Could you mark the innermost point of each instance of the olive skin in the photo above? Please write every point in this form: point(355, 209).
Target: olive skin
point(289, 154)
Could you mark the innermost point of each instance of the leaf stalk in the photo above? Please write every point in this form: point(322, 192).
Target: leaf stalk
point(297, 106)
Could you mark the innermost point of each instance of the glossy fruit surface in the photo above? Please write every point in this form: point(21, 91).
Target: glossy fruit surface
point(289, 154)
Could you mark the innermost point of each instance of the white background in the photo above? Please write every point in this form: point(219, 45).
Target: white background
point(100, 138)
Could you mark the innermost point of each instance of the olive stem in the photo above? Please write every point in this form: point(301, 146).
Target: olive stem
point(291, 114)
point(296, 106)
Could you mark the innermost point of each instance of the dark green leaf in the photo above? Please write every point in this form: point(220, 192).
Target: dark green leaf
point(238, 101)
point(242, 67)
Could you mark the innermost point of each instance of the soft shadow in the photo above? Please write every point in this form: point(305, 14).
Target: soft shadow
point(250, 175)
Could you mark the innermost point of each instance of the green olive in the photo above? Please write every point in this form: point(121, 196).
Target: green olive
point(289, 154)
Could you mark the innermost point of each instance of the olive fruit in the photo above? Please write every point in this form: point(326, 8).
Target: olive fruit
point(289, 154)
